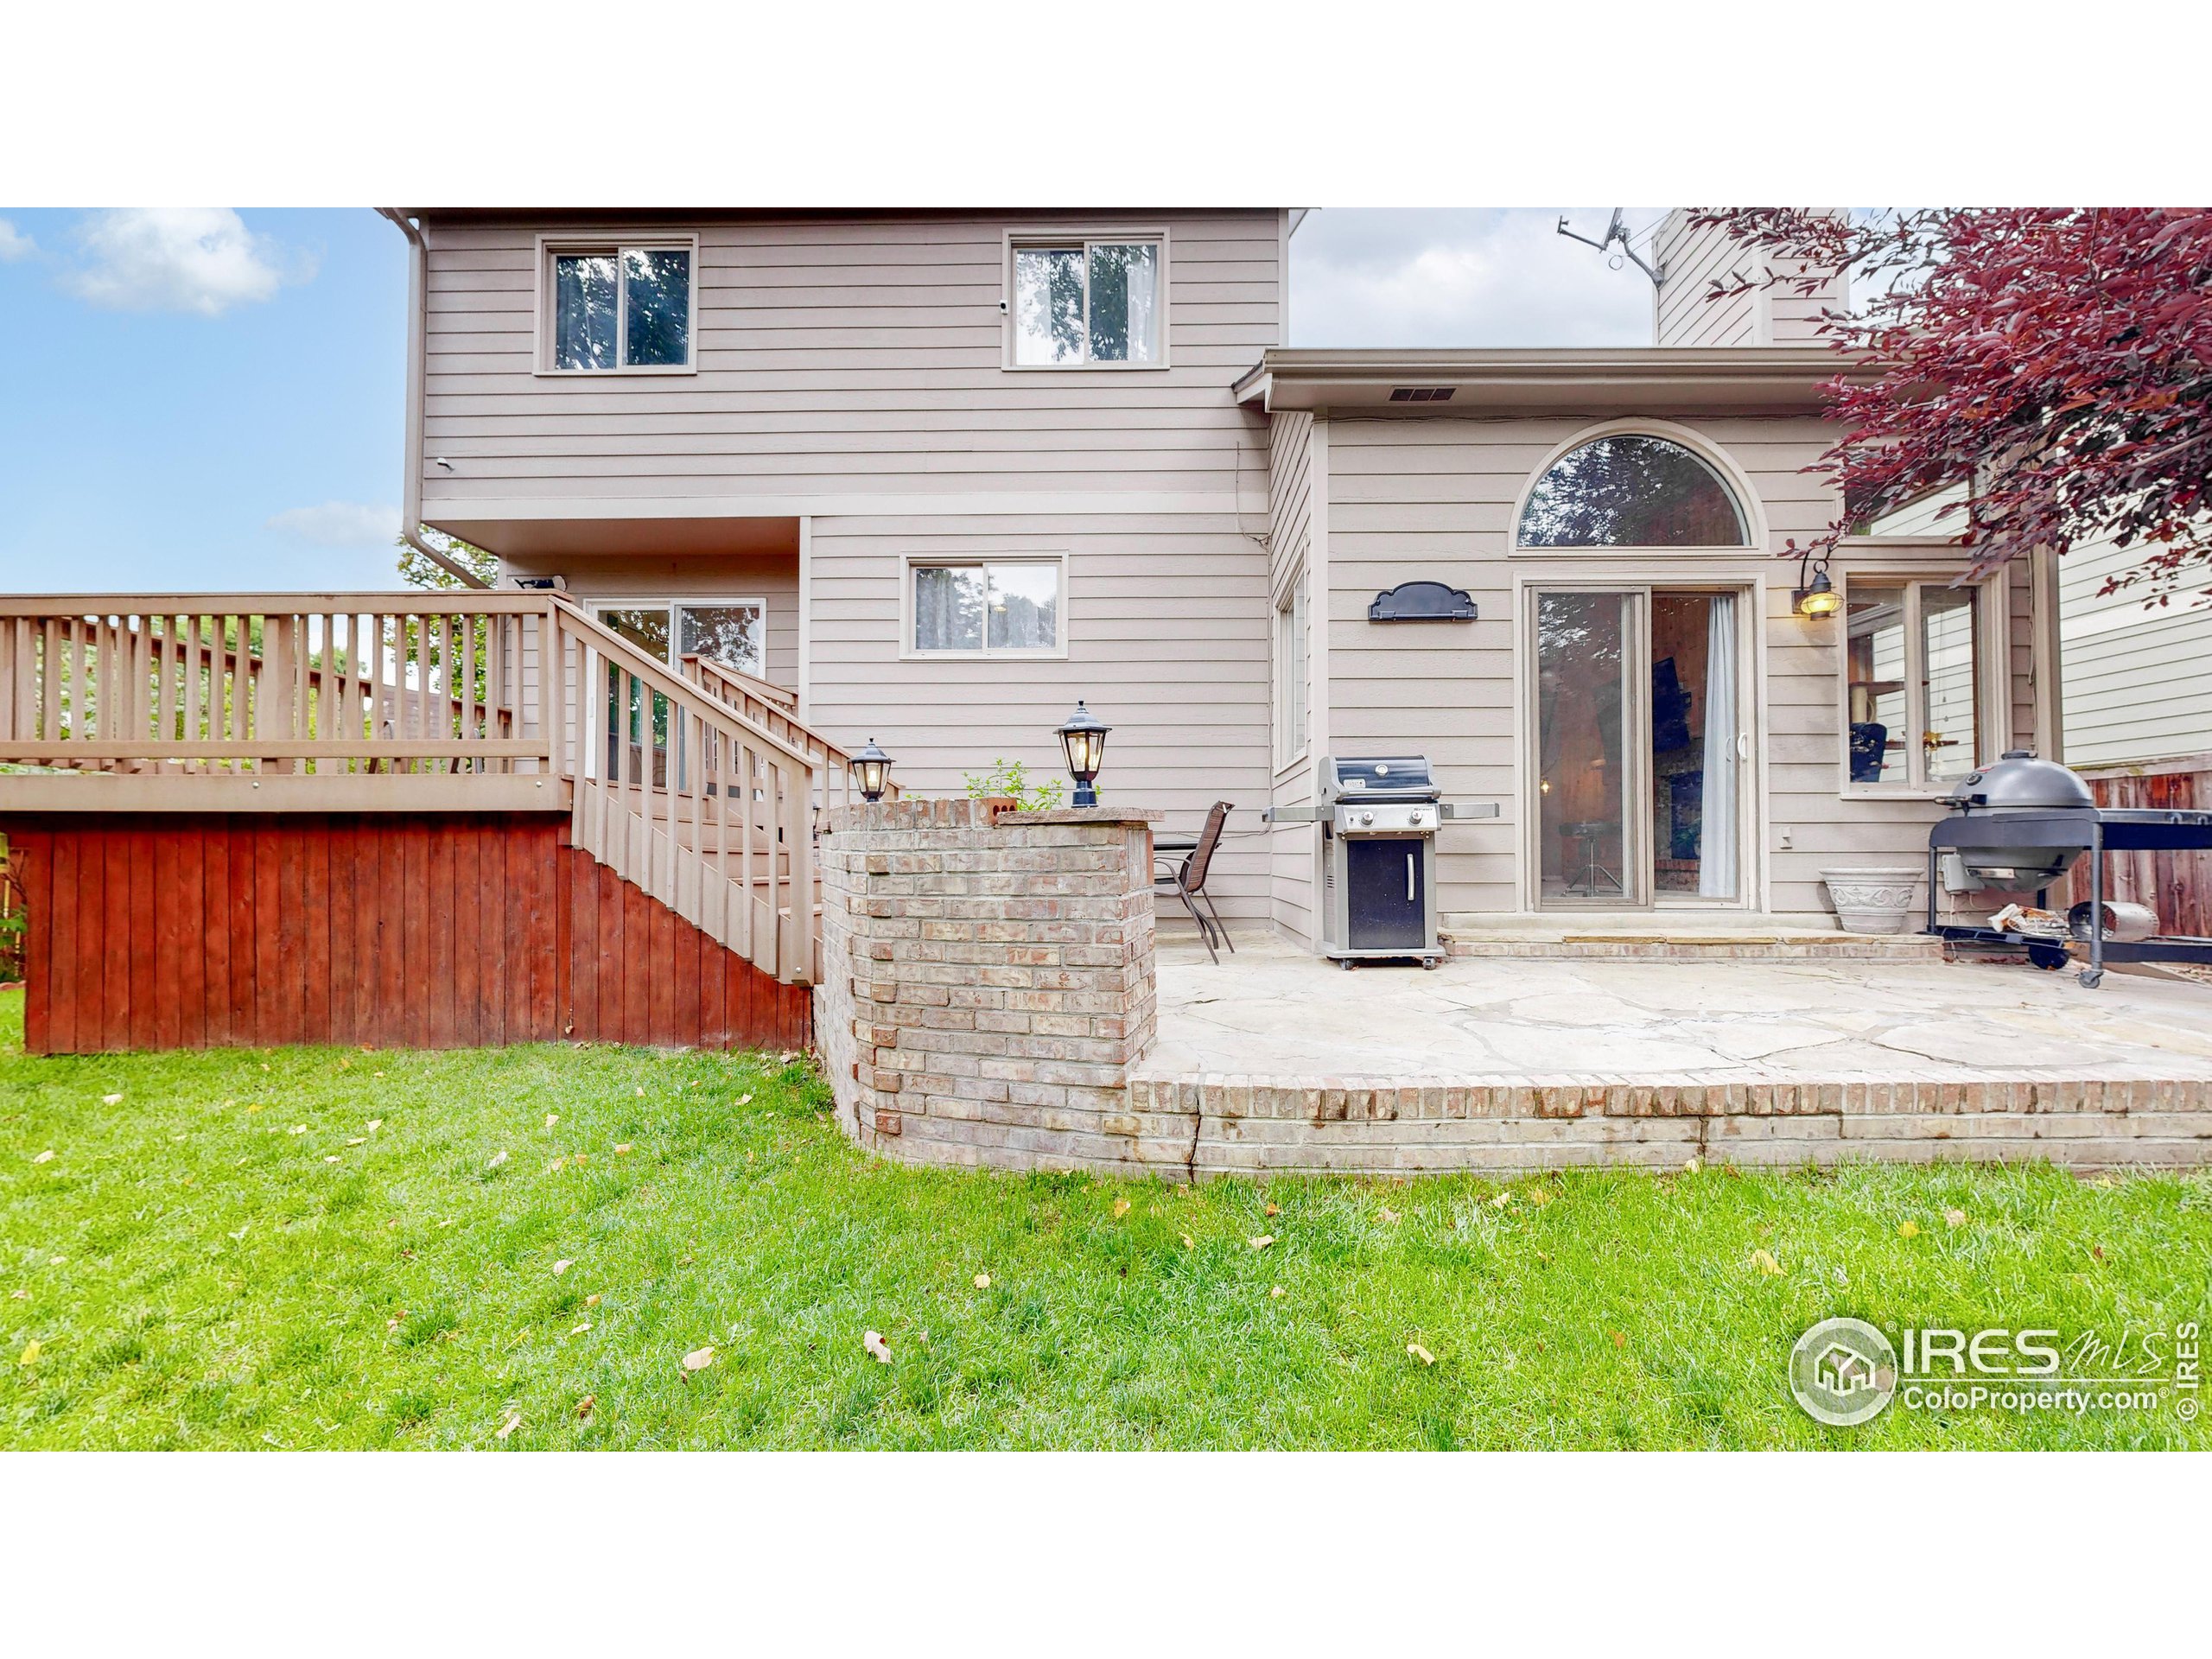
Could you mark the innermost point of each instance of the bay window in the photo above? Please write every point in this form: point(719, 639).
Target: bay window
point(1920, 658)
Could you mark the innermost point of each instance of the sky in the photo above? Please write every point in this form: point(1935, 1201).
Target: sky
point(214, 399)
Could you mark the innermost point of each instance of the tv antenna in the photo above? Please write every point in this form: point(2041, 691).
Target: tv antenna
point(1616, 231)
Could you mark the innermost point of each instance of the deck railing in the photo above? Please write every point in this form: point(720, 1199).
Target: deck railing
point(316, 685)
point(770, 706)
point(400, 701)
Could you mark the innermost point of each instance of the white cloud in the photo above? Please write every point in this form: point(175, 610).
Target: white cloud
point(1465, 277)
point(14, 245)
point(338, 523)
point(201, 259)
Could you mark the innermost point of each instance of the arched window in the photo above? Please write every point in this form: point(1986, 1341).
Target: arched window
point(1631, 490)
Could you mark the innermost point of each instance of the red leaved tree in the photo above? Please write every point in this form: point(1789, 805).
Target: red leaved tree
point(2056, 362)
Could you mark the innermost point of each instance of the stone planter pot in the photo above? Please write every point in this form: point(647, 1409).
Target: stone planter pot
point(1878, 899)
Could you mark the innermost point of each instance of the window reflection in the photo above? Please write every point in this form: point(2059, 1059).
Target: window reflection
point(1631, 490)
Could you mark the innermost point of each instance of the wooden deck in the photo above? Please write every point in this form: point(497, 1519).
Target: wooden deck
point(435, 819)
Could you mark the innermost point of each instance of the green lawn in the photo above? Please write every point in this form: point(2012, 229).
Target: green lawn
point(316, 1248)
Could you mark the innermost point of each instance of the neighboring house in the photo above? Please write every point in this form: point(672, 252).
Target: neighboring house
point(2138, 680)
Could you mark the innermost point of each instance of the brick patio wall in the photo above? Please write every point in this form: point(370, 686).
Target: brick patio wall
point(986, 983)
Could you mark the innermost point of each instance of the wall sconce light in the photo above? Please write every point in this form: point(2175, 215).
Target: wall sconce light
point(1819, 597)
point(871, 771)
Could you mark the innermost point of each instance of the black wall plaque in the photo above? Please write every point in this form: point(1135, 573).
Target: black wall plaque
point(1422, 601)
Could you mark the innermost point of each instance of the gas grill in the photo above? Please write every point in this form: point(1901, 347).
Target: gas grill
point(2017, 826)
point(1378, 819)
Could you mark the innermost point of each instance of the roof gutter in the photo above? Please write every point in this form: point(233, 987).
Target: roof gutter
point(411, 524)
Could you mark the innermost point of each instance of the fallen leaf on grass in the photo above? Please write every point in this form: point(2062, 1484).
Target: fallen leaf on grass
point(562, 1266)
point(1908, 1230)
point(1620, 1339)
point(1690, 1166)
point(331, 1159)
point(23, 1295)
point(2098, 1251)
point(1278, 1291)
point(1388, 1214)
point(579, 1330)
point(55, 1261)
point(591, 1301)
point(375, 1123)
point(1765, 1263)
point(496, 1159)
point(297, 1129)
point(1273, 1210)
point(551, 1118)
point(1501, 1200)
point(641, 1092)
point(983, 1281)
point(1189, 1244)
point(357, 1140)
point(116, 1100)
point(29, 1356)
point(745, 1100)
point(621, 1147)
point(1539, 1197)
point(1263, 1241)
point(1955, 1218)
point(873, 1342)
point(1121, 1208)
point(46, 1157)
point(699, 1358)
point(1420, 1353)
point(557, 1166)
point(513, 1423)
point(585, 1405)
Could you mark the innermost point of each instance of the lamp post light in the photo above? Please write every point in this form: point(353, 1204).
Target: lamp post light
point(872, 768)
point(1083, 737)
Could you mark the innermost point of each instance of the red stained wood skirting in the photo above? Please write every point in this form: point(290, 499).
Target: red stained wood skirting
point(461, 930)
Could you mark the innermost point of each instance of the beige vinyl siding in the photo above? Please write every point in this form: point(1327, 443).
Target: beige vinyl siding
point(1291, 849)
point(1434, 496)
point(838, 357)
point(1166, 625)
point(1693, 260)
point(2138, 681)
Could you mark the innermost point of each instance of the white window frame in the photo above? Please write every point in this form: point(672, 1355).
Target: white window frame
point(1084, 238)
point(550, 245)
point(605, 602)
point(986, 653)
point(1991, 678)
point(1294, 647)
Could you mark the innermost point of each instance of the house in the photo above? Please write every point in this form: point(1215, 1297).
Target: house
point(765, 486)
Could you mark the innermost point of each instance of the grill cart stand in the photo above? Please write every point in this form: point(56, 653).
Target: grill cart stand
point(2118, 831)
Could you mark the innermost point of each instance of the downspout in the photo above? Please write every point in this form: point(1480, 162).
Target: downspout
point(410, 524)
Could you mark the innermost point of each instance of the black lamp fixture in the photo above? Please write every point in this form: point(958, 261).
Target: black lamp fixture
point(872, 769)
point(1819, 597)
point(1083, 737)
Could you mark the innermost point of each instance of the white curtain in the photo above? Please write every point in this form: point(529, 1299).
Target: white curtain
point(1717, 860)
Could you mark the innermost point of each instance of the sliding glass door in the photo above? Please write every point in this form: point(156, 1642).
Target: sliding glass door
point(1639, 740)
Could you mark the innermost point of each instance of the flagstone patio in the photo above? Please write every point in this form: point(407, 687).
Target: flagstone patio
point(1286, 1061)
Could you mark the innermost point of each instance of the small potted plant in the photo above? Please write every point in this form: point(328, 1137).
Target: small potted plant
point(1007, 788)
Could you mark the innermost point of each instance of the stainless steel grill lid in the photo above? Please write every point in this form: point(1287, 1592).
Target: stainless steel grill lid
point(2018, 782)
point(1379, 778)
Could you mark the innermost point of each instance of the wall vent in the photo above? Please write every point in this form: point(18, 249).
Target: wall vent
point(1421, 394)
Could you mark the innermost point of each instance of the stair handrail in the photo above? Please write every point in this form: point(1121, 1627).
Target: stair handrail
point(779, 713)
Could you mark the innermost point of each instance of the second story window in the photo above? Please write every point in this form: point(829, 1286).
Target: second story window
point(618, 306)
point(1089, 300)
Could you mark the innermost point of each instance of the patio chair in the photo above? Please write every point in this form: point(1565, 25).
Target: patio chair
point(1187, 881)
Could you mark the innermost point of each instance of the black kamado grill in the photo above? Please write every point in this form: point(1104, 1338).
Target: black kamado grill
point(2017, 826)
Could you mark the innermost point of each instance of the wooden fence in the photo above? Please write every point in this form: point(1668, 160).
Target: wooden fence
point(2178, 885)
